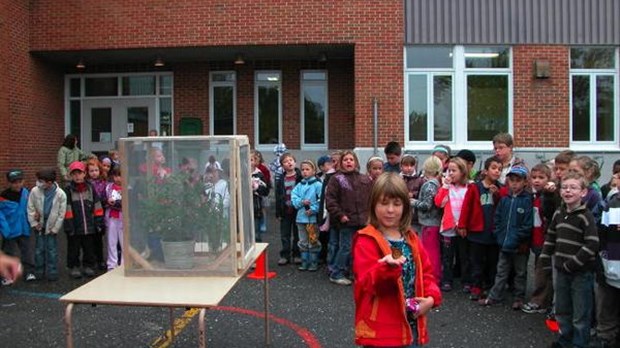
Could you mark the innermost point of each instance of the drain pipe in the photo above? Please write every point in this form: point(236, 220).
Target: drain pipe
point(375, 114)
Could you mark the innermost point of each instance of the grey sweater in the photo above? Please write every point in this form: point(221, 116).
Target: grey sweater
point(428, 213)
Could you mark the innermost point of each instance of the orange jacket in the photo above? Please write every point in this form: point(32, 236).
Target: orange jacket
point(472, 216)
point(380, 317)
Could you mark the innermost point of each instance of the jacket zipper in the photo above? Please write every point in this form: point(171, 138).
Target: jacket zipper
point(512, 199)
point(83, 213)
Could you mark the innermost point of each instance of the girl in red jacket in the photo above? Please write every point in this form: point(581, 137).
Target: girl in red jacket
point(394, 284)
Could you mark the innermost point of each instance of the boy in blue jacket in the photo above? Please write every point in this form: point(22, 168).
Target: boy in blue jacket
point(513, 228)
point(14, 222)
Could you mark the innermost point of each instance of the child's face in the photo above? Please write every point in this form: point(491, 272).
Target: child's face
point(93, 172)
point(393, 159)
point(118, 180)
point(307, 171)
point(16, 185)
point(503, 151)
point(516, 184)
point(441, 155)
point(407, 169)
point(348, 163)
point(327, 166)
point(105, 167)
point(78, 176)
point(572, 192)
point(44, 185)
point(539, 180)
point(376, 168)
point(336, 161)
point(159, 158)
point(494, 171)
point(455, 173)
point(389, 211)
point(253, 162)
point(288, 164)
point(114, 156)
point(560, 169)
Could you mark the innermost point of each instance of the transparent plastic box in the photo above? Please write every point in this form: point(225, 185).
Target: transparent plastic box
point(187, 205)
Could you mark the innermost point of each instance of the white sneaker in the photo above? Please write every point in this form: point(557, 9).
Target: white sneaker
point(6, 282)
point(340, 281)
point(30, 277)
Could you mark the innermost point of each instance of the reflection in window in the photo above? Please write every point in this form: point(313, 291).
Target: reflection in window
point(223, 110)
point(138, 85)
point(442, 108)
point(268, 107)
point(418, 108)
point(429, 57)
point(101, 125)
point(314, 112)
point(592, 58)
point(487, 57)
point(487, 106)
point(101, 86)
point(165, 116)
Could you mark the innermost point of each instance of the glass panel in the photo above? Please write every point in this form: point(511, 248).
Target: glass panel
point(223, 110)
point(101, 86)
point(75, 123)
point(429, 57)
point(418, 108)
point(442, 108)
point(223, 77)
point(138, 121)
point(75, 87)
point(592, 58)
point(581, 108)
point(315, 103)
point(487, 106)
point(268, 114)
point(315, 76)
point(605, 108)
point(268, 77)
point(101, 125)
point(487, 57)
point(165, 85)
point(138, 85)
point(247, 209)
point(165, 116)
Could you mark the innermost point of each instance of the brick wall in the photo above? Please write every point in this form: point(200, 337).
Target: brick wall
point(541, 106)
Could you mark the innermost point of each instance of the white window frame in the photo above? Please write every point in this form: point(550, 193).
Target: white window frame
point(257, 84)
point(459, 97)
point(320, 83)
point(212, 85)
point(594, 144)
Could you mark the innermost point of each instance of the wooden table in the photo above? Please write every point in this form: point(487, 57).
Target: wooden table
point(114, 288)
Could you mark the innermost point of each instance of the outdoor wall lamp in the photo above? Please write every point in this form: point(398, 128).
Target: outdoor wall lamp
point(239, 59)
point(159, 62)
point(80, 64)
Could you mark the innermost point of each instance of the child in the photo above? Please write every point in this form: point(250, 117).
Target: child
point(305, 198)
point(392, 153)
point(502, 145)
point(608, 187)
point(47, 205)
point(115, 158)
point(325, 165)
point(261, 166)
point(374, 167)
point(347, 204)
point(106, 165)
point(212, 163)
point(513, 230)
point(443, 153)
point(413, 181)
point(285, 212)
point(114, 218)
point(462, 213)
point(259, 190)
point(216, 188)
point(428, 214)
point(572, 240)
point(93, 170)
point(276, 166)
point(588, 168)
point(14, 222)
point(394, 283)
point(470, 159)
point(483, 247)
point(155, 165)
point(83, 222)
point(326, 225)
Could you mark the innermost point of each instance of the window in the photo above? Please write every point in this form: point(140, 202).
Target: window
point(268, 107)
point(441, 78)
point(593, 95)
point(222, 103)
point(314, 109)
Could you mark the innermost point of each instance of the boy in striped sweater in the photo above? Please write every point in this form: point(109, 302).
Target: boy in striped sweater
point(572, 240)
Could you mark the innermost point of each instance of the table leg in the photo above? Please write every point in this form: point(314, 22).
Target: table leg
point(68, 328)
point(202, 341)
point(266, 300)
point(172, 334)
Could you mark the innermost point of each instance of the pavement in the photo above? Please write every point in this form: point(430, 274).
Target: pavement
point(306, 311)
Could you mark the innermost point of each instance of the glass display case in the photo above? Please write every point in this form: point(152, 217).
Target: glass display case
point(187, 205)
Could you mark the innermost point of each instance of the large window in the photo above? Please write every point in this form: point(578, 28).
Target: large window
point(314, 109)
point(457, 95)
point(268, 107)
point(594, 117)
point(222, 103)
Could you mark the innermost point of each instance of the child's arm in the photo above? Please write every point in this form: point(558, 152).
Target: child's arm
point(373, 277)
point(588, 250)
point(426, 197)
point(315, 202)
point(332, 195)
point(32, 214)
point(527, 223)
point(68, 221)
point(296, 197)
point(62, 209)
point(497, 219)
point(441, 199)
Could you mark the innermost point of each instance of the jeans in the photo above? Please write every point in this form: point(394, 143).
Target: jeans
point(288, 227)
point(543, 287)
point(483, 262)
point(431, 243)
point(573, 307)
point(46, 255)
point(304, 243)
point(20, 245)
point(607, 312)
point(332, 248)
point(506, 262)
point(462, 245)
point(342, 264)
point(448, 249)
point(84, 243)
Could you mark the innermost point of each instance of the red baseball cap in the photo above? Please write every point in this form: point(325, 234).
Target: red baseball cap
point(77, 165)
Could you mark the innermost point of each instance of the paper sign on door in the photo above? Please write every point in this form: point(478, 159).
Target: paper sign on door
point(129, 127)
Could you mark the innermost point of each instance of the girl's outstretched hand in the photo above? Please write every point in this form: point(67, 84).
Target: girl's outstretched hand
point(426, 303)
point(388, 259)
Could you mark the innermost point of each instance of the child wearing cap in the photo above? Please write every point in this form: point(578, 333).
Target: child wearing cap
point(47, 206)
point(513, 229)
point(443, 152)
point(470, 159)
point(325, 164)
point(14, 222)
point(83, 221)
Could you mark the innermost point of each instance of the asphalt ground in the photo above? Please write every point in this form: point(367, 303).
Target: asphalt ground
point(306, 311)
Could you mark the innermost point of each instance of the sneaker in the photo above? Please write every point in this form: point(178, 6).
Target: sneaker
point(340, 281)
point(517, 304)
point(446, 287)
point(303, 266)
point(297, 260)
point(88, 272)
point(6, 282)
point(487, 302)
point(466, 289)
point(52, 278)
point(475, 293)
point(75, 273)
point(30, 277)
point(313, 267)
point(282, 261)
point(532, 308)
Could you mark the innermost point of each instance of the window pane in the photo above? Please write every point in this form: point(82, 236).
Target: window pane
point(75, 87)
point(581, 108)
point(138, 118)
point(101, 121)
point(592, 58)
point(138, 85)
point(101, 86)
point(315, 76)
point(315, 103)
point(223, 116)
point(429, 57)
point(273, 77)
point(165, 116)
point(605, 108)
point(268, 112)
point(487, 57)
point(223, 76)
point(76, 118)
point(487, 106)
point(442, 108)
point(165, 85)
point(418, 108)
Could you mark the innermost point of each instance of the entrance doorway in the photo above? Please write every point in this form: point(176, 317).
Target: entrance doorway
point(106, 120)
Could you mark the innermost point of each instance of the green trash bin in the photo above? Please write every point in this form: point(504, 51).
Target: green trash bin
point(190, 126)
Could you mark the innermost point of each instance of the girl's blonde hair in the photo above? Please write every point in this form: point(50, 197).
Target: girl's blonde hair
point(432, 166)
point(390, 185)
point(460, 163)
point(309, 163)
point(349, 152)
point(590, 168)
point(371, 160)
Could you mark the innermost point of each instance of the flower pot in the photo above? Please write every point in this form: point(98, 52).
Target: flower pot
point(178, 255)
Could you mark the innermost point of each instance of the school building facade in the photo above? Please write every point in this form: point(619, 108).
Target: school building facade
point(316, 75)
